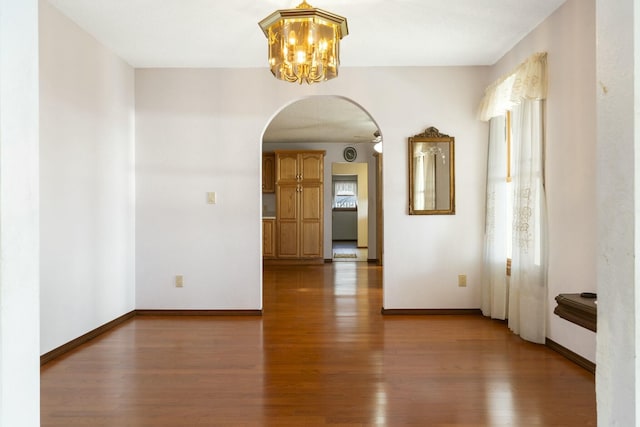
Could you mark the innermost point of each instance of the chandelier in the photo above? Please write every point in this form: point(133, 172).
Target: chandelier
point(304, 43)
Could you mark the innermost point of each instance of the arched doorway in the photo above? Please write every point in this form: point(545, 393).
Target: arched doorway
point(348, 134)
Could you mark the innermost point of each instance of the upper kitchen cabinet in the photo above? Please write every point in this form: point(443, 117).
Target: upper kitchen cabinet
point(299, 166)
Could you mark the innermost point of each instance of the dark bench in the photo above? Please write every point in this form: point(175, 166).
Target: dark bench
point(578, 310)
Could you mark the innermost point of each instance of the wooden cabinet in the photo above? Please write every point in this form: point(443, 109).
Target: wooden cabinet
point(299, 204)
point(268, 238)
point(268, 172)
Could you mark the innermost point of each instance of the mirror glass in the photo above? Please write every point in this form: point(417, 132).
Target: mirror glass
point(431, 174)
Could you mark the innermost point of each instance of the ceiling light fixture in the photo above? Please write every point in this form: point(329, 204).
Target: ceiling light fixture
point(304, 43)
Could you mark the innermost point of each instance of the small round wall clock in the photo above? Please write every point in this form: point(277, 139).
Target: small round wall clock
point(350, 154)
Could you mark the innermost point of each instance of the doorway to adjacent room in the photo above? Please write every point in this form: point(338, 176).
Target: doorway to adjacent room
point(350, 212)
point(332, 125)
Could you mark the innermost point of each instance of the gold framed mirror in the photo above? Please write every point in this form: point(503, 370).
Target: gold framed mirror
point(431, 174)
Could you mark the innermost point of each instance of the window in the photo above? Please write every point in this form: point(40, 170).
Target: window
point(529, 199)
point(345, 193)
point(515, 209)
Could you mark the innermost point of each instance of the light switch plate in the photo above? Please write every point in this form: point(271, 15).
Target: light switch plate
point(211, 197)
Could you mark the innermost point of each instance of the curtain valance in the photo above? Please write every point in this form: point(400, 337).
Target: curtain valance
point(527, 81)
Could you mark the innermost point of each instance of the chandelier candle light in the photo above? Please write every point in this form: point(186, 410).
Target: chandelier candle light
point(304, 43)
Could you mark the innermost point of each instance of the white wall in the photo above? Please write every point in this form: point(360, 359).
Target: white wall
point(424, 254)
point(618, 206)
point(569, 38)
point(87, 182)
point(200, 130)
point(19, 305)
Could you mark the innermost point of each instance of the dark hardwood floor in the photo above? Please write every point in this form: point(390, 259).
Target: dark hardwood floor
point(322, 354)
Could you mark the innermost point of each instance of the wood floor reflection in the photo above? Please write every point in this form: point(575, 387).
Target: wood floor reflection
point(321, 354)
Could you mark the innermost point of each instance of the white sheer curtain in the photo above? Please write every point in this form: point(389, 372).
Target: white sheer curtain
point(522, 92)
point(528, 287)
point(495, 291)
point(345, 194)
point(345, 188)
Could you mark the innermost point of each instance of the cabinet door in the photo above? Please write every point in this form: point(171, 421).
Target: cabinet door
point(268, 173)
point(299, 204)
point(287, 234)
point(311, 221)
point(287, 167)
point(311, 167)
point(268, 238)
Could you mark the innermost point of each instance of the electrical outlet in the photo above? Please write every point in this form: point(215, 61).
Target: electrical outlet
point(179, 281)
point(462, 280)
point(211, 197)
